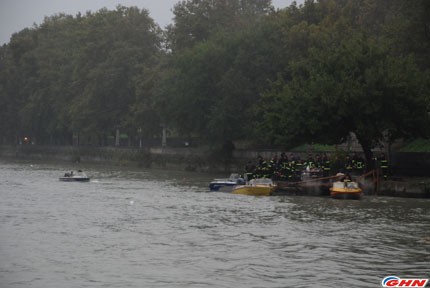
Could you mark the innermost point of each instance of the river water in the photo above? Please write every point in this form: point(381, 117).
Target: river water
point(155, 228)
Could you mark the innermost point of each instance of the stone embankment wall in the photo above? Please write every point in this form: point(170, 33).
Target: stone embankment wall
point(192, 159)
point(202, 160)
point(411, 164)
point(196, 159)
point(409, 188)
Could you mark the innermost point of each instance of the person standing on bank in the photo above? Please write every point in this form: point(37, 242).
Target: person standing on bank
point(383, 164)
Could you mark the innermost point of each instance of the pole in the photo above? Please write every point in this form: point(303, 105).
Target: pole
point(164, 139)
point(117, 137)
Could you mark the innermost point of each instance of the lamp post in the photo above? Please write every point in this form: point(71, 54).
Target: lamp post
point(164, 137)
point(139, 131)
point(117, 137)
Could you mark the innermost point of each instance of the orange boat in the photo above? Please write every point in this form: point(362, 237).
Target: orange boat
point(346, 190)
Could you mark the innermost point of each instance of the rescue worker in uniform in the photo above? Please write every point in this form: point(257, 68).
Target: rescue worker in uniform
point(249, 171)
point(348, 164)
point(326, 165)
point(383, 164)
point(298, 168)
point(358, 165)
point(273, 168)
point(262, 169)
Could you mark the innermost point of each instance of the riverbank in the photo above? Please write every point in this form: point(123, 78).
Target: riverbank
point(195, 159)
point(406, 187)
point(181, 159)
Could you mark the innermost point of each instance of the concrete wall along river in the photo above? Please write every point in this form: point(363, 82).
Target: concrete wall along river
point(200, 160)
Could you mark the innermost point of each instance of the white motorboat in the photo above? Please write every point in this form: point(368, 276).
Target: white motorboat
point(72, 176)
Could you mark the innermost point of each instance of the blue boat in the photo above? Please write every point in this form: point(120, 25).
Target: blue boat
point(226, 184)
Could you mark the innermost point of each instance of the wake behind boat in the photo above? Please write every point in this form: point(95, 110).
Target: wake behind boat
point(79, 176)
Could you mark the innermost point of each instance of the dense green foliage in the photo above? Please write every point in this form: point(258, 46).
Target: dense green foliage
point(78, 75)
point(416, 145)
point(224, 70)
point(351, 78)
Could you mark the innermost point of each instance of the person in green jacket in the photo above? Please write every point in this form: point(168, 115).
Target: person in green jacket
point(383, 164)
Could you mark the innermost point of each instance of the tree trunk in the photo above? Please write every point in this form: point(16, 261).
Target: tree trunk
point(367, 149)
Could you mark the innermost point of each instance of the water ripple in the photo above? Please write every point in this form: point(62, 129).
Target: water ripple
point(133, 228)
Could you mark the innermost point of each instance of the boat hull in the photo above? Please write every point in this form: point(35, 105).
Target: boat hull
point(254, 190)
point(74, 179)
point(345, 193)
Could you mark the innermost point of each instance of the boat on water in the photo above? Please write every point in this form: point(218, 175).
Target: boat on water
point(346, 190)
point(311, 173)
point(226, 184)
point(72, 176)
point(256, 187)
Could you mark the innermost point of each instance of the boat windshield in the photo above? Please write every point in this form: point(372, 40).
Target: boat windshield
point(234, 176)
point(350, 185)
point(80, 173)
point(261, 181)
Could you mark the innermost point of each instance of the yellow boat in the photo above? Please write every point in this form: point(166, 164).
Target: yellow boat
point(346, 190)
point(256, 187)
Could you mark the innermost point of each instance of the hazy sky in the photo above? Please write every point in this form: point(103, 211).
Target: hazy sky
point(16, 15)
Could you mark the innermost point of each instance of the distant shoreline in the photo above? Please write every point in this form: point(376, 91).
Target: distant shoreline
point(186, 159)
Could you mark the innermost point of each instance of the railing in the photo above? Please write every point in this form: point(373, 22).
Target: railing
point(285, 184)
point(375, 177)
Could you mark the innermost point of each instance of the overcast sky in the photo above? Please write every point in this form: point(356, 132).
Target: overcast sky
point(16, 15)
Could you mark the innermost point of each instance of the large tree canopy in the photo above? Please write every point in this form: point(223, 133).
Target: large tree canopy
point(198, 20)
point(224, 70)
point(356, 87)
point(341, 84)
point(77, 74)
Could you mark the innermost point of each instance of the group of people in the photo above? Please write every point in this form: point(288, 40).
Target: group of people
point(293, 168)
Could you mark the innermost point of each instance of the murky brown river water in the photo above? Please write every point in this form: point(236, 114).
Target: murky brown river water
point(154, 228)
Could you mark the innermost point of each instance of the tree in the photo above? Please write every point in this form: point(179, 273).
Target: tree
point(77, 74)
point(121, 46)
point(197, 20)
point(18, 72)
point(355, 87)
point(214, 86)
point(348, 75)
